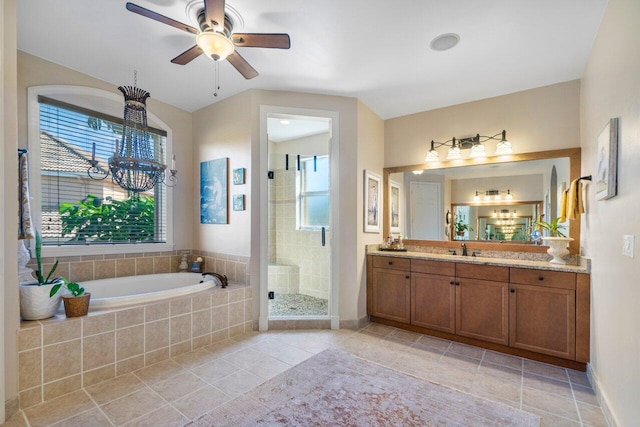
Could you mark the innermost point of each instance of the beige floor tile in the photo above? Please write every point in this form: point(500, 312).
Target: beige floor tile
point(578, 378)
point(132, 406)
point(502, 372)
point(238, 383)
point(223, 348)
point(497, 389)
point(548, 385)
point(434, 342)
point(512, 362)
point(195, 358)
point(591, 415)
point(59, 409)
point(245, 358)
point(376, 328)
point(550, 420)
point(215, 371)
point(455, 378)
point(158, 372)
point(404, 335)
point(425, 351)
point(545, 370)
point(178, 386)
point(565, 408)
point(167, 416)
point(287, 353)
point(17, 420)
point(460, 362)
point(585, 394)
point(93, 418)
point(107, 391)
point(201, 401)
point(268, 368)
point(466, 350)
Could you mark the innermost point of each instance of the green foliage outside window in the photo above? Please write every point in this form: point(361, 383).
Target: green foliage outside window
point(108, 220)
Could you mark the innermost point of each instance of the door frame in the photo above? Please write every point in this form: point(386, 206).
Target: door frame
point(334, 218)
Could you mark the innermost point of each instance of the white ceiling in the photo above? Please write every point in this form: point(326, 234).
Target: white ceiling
point(375, 50)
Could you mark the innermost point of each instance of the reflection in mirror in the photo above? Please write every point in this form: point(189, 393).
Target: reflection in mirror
point(523, 186)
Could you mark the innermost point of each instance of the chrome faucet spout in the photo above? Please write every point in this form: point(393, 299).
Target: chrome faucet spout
point(223, 278)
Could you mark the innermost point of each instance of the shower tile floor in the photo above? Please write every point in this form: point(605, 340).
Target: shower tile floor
point(297, 305)
point(176, 391)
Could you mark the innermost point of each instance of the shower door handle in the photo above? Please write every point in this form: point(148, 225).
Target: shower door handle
point(323, 237)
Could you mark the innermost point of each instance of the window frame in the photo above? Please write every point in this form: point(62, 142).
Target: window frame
point(101, 101)
point(301, 194)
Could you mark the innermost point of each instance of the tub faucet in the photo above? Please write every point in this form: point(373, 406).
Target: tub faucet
point(223, 279)
point(464, 249)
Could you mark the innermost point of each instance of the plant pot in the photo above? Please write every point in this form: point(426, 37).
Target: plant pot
point(76, 306)
point(35, 303)
point(460, 233)
point(557, 248)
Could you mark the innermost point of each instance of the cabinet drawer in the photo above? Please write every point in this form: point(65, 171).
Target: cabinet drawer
point(433, 267)
point(392, 263)
point(552, 279)
point(483, 272)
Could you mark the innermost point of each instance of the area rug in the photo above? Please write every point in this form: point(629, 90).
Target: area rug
point(335, 388)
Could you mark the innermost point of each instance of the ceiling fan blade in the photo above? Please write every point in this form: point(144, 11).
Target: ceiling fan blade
point(276, 41)
point(187, 56)
point(160, 18)
point(242, 65)
point(214, 12)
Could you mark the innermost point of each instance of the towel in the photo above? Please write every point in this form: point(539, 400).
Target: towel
point(563, 206)
point(575, 206)
point(24, 205)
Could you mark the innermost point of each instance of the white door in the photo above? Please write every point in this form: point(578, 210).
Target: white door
point(425, 210)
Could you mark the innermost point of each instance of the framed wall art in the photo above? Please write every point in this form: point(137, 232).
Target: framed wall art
point(213, 191)
point(394, 197)
point(372, 196)
point(238, 176)
point(238, 202)
point(607, 157)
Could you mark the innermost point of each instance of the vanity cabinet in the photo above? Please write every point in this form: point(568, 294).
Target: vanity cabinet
point(433, 295)
point(391, 289)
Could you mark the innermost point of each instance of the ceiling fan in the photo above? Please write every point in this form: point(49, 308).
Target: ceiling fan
point(216, 38)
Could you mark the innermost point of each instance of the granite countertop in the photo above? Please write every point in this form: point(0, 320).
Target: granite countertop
point(583, 267)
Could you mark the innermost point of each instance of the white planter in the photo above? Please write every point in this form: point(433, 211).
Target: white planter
point(557, 248)
point(35, 303)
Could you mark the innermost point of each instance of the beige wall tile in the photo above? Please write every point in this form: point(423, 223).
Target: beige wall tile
point(181, 348)
point(61, 360)
point(248, 308)
point(237, 330)
point(64, 330)
point(81, 271)
point(129, 342)
point(180, 328)
point(61, 270)
point(130, 365)
point(144, 266)
point(134, 255)
point(219, 336)
point(236, 313)
point(130, 317)
point(30, 397)
point(157, 311)
point(236, 295)
point(125, 267)
point(125, 409)
point(91, 257)
point(220, 297)
point(99, 375)
point(153, 357)
point(241, 273)
point(180, 306)
point(220, 266)
point(113, 256)
point(157, 335)
point(105, 269)
point(200, 342)
point(98, 350)
point(29, 338)
point(98, 324)
point(61, 387)
point(219, 318)
point(29, 369)
point(201, 301)
point(161, 264)
point(201, 323)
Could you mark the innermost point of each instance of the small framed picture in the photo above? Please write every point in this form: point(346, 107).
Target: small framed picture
point(607, 156)
point(372, 196)
point(238, 176)
point(238, 202)
point(394, 197)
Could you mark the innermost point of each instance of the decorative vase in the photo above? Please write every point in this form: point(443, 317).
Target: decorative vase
point(35, 303)
point(76, 306)
point(557, 248)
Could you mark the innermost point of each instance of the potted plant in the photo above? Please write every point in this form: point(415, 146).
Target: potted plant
point(461, 227)
point(35, 300)
point(76, 302)
point(555, 239)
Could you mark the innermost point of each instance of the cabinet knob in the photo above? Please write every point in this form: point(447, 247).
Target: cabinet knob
point(513, 291)
point(540, 277)
point(407, 277)
point(390, 262)
point(452, 282)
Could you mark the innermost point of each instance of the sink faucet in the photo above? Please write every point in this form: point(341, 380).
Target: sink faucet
point(223, 279)
point(464, 249)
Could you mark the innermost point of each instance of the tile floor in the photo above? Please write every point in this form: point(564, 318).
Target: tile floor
point(173, 392)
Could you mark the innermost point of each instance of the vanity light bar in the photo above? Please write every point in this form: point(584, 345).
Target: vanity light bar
point(474, 143)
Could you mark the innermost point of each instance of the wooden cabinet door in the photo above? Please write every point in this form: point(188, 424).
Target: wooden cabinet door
point(542, 319)
point(391, 295)
point(433, 302)
point(482, 310)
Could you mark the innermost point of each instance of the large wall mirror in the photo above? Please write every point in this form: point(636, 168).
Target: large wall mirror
point(493, 200)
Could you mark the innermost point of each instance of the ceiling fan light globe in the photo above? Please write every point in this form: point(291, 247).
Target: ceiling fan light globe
point(215, 45)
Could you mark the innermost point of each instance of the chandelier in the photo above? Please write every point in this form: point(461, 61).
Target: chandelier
point(136, 164)
point(475, 144)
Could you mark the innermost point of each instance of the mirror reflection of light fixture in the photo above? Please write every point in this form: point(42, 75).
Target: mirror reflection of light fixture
point(475, 144)
point(492, 196)
point(418, 172)
point(508, 196)
point(476, 198)
point(215, 45)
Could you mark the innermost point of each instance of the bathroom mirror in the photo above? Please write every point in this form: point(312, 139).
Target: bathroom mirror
point(498, 182)
point(507, 222)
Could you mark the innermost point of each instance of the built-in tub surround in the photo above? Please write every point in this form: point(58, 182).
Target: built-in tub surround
point(57, 356)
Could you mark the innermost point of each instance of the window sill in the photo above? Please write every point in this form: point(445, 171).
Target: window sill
point(104, 249)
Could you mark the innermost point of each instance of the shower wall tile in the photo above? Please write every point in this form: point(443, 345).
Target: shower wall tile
point(104, 269)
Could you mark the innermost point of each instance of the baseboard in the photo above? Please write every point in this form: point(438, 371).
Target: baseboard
point(355, 324)
point(11, 406)
point(602, 398)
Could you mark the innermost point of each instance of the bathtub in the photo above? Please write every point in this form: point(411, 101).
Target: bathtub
point(130, 290)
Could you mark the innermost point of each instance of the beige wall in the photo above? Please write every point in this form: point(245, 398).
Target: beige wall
point(10, 311)
point(34, 71)
point(545, 118)
point(611, 88)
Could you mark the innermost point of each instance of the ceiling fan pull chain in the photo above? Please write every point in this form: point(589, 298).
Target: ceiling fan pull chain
point(217, 78)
